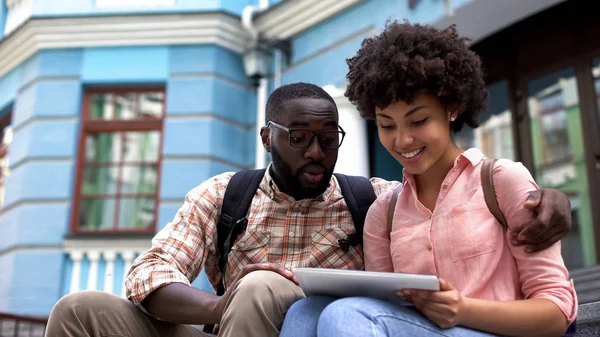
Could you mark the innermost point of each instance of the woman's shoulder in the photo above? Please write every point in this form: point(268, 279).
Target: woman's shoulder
point(507, 170)
point(381, 205)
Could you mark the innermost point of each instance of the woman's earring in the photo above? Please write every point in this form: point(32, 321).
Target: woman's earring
point(452, 119)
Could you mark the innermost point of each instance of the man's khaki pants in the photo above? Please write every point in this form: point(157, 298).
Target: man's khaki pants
point(256, 308)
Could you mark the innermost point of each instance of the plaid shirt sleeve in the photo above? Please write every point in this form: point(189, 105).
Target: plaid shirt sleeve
point(380, 186)
point(184, 246)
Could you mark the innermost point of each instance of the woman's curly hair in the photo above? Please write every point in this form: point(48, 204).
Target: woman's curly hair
point(406, 60)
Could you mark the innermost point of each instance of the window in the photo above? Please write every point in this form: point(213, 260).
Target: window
point(494, 135)
point(5, 138)
point(119, 161)
point(550, 109)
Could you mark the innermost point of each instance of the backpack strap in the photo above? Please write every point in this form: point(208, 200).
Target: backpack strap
point(237, 200)
point(359, 196)
point(232, 222)
point(392, 207)
point(489, 192)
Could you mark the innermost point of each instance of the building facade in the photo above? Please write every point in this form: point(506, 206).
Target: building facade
point(112, 111)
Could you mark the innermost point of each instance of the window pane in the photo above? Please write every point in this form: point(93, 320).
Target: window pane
point(559, 158)
point(125, 106)
point(151, 104)
point(103, 147)
point(136, 213)
point(138, 179)
point(100, 180)
point(97, 214)
point(494, 135)
point(102, 106)
point(142, 146)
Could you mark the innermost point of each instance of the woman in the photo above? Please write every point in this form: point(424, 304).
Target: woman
point(421, 85)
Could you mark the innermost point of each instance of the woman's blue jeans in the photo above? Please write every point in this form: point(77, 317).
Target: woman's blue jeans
point(361, 317)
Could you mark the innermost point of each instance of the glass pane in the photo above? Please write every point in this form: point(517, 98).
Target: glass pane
point(102, 106)
point(494, 135)
point(97, 214)
point(125, 106)
point(142, 146)
point(103, 147)
point(136, 213)
point(100, 180)
point(558, 154)
point(138, 179)
point(151, 104)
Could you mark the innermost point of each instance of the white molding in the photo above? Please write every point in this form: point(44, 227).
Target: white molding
point(132, 3)
point(292, 17)
point(112, 31)
point(18, 12)
point(118, 244)
point(12, 3)
point(282, 21)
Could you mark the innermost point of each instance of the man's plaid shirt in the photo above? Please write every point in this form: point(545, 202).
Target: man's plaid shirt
point(280, 230)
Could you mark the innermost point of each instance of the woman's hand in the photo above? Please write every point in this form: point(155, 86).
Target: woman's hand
point(444, 307)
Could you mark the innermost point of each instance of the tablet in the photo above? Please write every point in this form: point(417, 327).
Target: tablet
point(347, 283)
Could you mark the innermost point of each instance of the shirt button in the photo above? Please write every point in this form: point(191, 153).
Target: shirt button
point(429, 248)
point(291, 234)
point(445, 186)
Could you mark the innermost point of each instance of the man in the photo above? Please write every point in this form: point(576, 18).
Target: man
point(296, 218)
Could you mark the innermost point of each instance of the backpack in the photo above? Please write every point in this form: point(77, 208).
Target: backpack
point(357, 192)
point(489, 194)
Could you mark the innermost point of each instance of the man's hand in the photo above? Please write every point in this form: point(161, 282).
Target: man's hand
point(552, 221)
point(274, 267)
point(444, 307)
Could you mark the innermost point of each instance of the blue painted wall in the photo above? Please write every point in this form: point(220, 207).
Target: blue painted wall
point(34, 280)
point(46, 93)
point(21, 226)
point(209, 129)
point(129, 65)
point(319, 53)
point(9, 84)
point(88, 7)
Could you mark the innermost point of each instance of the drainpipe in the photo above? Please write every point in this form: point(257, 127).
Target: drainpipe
point(448, 8)
point(277, 76)
point(261, 91)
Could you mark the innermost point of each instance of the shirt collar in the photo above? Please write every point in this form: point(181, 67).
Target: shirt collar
point(472, 156)
point(269, 186)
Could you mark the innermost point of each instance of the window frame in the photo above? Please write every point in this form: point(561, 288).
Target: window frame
point(88, 125)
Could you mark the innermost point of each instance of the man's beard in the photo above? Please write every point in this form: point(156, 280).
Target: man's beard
point(290, 182)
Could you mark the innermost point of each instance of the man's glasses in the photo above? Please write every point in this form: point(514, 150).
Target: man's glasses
point(303, 138)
